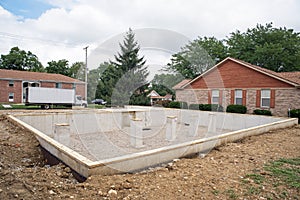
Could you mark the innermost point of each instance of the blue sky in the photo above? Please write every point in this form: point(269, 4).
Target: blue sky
point(26, 8)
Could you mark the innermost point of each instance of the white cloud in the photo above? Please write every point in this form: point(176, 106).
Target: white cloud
point(75, 24)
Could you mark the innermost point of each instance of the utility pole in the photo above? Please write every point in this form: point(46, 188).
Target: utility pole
point(85, 71)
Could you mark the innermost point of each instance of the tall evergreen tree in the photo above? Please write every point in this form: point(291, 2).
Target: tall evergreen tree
point(124, 76)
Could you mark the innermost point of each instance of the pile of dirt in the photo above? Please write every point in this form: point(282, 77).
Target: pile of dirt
point(222, 174)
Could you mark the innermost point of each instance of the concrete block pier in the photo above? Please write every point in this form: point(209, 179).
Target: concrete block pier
point(136, 133)
point(171, 128)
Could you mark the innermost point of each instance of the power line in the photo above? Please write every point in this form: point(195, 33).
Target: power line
point(24, 38)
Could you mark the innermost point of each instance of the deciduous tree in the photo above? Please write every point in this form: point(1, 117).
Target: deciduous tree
point(197, 56)
point(18, 59)
point(277, 49)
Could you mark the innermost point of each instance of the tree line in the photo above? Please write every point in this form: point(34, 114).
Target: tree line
point(18, 59)
point(124, 80)
point(277, 49)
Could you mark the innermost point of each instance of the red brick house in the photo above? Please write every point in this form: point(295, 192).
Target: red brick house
point(234, 81)
point(13, 84)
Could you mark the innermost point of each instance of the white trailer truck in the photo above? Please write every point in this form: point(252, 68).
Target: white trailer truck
point(47, 97)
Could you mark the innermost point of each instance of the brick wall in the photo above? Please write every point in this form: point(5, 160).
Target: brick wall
point(192, 96)
point(285, 98)
point(234, 75)
point(48, 84)
point(67, 85)
point(5, 89)
point(80, 90)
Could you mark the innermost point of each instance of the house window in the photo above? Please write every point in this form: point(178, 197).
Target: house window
point(238, 97)
point(11, 97)
point(265, 98)
point(74, 86)
point(58, 85)
point(11, 84)
point(215, 95)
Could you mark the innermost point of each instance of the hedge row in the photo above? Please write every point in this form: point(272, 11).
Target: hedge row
point(236, 109)
point(219, 108)
point(206, 107)
point(262, 112)
point(178, 104)
point(295, 113)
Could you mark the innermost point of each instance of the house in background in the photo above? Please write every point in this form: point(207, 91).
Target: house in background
point(154, 97)
point(13, 84)
point(234, 81)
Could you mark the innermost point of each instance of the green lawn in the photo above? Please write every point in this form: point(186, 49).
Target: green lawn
point(17, 106)
point(22, 106)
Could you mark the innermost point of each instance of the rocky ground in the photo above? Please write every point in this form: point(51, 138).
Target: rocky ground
point(232, 171)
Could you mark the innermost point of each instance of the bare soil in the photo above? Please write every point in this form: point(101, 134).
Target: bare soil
point(221, 174)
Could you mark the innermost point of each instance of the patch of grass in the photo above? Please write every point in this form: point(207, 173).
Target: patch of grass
point(34, 107)
point(257, 178)
point(287, 171)
point(231, 194)
point(282, 177)
point(18, 106)
point(253, 190)
point(96, 106)
point(215, 192)
point(245, 181)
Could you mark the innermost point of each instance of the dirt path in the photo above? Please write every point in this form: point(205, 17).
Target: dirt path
point(225, 173)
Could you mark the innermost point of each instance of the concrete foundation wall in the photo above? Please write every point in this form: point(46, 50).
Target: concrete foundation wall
point(48, 127)
point(92, 122)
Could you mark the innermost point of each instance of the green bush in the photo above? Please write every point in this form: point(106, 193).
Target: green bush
point(194, 106)
point(295, 113)
point(236, 109)
point(174, 104)
point(206, 107)
point(178, 104)
point(211, 107)
point(262, 112)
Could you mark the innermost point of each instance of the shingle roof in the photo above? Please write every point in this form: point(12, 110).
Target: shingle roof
point(290, 77)
point(35, 76)
point(181, 84)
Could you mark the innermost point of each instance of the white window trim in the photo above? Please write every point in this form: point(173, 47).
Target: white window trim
point(236, 96)
point(263, 97)
point(216, 96)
